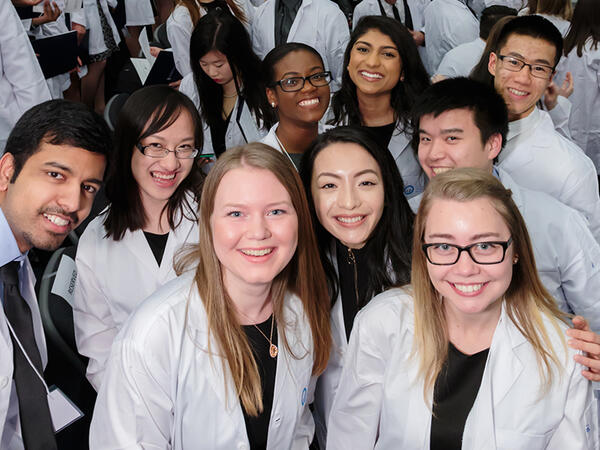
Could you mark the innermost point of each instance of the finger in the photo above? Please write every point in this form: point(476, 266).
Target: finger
point(592, 349)
point(580, 323)
point(593, 365)
point(590, 375)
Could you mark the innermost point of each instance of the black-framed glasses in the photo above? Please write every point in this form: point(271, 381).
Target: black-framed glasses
point(293, 84)
point(516, 65)
point(158, 151)
point(488, 252)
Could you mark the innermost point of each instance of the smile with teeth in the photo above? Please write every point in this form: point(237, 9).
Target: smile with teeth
point(371, 75)
point(517, 92)
point(57, 220)
point(309, 102)
point(352, 219)
point(259, 252)
point(468, 288)
point(438, 170)
point(163, 175)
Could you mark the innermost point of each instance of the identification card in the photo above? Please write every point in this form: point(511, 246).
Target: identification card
point(63, 411)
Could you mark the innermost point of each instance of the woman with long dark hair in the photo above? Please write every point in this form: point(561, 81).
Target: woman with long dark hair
point(153, 188)
point(383, 75)
point(226, 84)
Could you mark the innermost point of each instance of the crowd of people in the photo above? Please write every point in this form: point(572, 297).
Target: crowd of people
point(345, 226)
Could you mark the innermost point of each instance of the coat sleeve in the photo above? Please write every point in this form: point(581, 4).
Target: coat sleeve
point(95, 328)
point(179, 32)
point(134, 406)
point(354, 418)
point(338, 36)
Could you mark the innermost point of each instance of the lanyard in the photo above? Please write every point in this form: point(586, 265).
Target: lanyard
point(14, 335)
point(284, 150)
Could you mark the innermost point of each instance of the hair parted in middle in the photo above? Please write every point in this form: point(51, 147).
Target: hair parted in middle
point(526, 300)
point(302, 276)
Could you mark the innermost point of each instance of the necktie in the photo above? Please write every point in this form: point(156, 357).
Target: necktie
point(407, 17)
point(36, 422)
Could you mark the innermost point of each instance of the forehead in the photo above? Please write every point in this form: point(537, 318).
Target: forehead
point(298, 61)
point(376, 38)
point(344, 158)
point(452, 119)
point(462, 219)
point(213, 56)
point(531, 48)
point(80, 162)
point(250, 186)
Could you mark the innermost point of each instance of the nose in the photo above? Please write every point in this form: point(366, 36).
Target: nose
point(373, 59)
point(524, 75)
point(258, 228)
point(465, 265)
point(170, 162)
point(70, 199)
point(436, 150)
point(308, 87)
point(348, 198)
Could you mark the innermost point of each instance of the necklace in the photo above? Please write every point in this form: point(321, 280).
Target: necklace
point(230, 96)
point(273, 350)
point(284, 150)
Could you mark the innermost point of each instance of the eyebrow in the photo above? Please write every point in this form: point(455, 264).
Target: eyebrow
point(475, 237)
point(67, 169)
point(535, 61)
point(393, 47)
point(357, 174)
point(245, 205)
point(298, 73)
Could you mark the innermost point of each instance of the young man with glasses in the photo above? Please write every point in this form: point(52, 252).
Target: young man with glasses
point(536, 156)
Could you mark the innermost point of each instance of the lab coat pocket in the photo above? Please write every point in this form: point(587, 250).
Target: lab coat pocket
point(514, 440)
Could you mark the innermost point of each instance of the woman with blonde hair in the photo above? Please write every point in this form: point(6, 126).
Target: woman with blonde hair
point(224, 355)
point(474, 356)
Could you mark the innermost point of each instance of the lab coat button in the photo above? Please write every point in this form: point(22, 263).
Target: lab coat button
point(3, 382)
point(277, 421)
point(242, 446)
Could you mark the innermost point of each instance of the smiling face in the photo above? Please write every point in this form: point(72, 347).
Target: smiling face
point(51, 195)
point(216, 66)
point(347, 190)
point(254, 228)
point(468, 288)
point(158, 178)
point(308, 105)
point(520, 90)
point(452, 140)
point(375, 66)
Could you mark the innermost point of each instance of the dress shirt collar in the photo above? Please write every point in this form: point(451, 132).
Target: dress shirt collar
point(9, 250)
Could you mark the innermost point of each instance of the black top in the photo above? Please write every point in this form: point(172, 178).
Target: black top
point(382, 135)
point(454, 394)
point(353, 281)
point(157, 243)
point(217, 135)
point(208, 6)
point(297, 160)
point(258, 427)
point(285, 14)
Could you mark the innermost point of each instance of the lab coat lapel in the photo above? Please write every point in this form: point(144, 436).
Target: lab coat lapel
point(398, 143)
point(298, 20)
point(177, 238)
point(138, 246)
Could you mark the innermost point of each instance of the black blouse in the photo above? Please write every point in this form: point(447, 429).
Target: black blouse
point(258, 427)
point(217, 135)
point(383, 134)
point(157, 243)
point(455, 391)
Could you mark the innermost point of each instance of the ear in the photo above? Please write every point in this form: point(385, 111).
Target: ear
point(493, 146)
point(7, 169)
point(271, 97)
point(492, 61)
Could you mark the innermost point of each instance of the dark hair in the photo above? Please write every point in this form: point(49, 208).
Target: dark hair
point(220, 30)
point(533, 26)
point(488, 107)
point(490, 16)
point(280, 52)
point(345, 101)
point(585, 24)
point(57, 122)
point(389, 246)
point(481, 72)
point(146, 112)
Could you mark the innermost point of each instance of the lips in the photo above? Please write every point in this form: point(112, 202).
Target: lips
point(438, 170)
point(517, 92)
point(309, 102)
point(350, 221)
point(468, 289)
point(257, 252)
point(164, 179)
point(370, 76)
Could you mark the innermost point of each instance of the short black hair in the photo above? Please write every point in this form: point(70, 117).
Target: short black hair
point(490, 16)
point(390, 245)
point(280, 52)
point(533, 26)
point(58, 122)
point(489, 109)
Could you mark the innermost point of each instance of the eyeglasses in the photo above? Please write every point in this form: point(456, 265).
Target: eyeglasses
point(158, 151)
point(516, 65)
point(490, 252)
point(293, 84)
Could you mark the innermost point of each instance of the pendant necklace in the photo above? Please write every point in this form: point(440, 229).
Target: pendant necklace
point(273, 350)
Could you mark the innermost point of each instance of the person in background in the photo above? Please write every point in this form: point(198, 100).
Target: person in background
point(153, 187)
point(52, 169)
point(558, 12)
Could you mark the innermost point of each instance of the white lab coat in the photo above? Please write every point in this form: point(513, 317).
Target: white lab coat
point(89, 17)
point(242, 127)
point(10, 426)
point(380, 404)
point(22, 83)
point(163, 389)
point(371, 8)
point(113, 277)
point(407, 163)
point(539, 158)
point(318, 23)
point(138, 12)
point(460, 61)
point(448, 23)
point(584, 122)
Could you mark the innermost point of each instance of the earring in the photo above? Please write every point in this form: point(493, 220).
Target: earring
point(515, 259)
point(272, 104)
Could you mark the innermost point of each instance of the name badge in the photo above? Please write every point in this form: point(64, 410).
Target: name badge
point(63, 411)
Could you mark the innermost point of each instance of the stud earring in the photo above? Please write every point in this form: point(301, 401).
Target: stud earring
point(272, 104)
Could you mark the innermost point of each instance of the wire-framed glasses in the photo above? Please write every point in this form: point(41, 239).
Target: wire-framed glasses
point(488, 252)
point(158, 151)
point(516, 65)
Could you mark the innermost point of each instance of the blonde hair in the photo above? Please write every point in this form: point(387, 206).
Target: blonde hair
point(526, 300)
point(304, 276)
point(193, 6)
